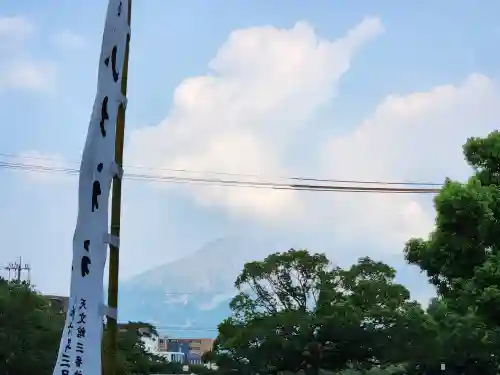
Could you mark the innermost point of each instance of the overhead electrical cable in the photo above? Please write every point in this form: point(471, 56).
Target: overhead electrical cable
point(230, 182)
point(247, 175)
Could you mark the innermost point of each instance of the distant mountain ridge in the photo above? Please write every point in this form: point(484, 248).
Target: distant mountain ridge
point(189, 297)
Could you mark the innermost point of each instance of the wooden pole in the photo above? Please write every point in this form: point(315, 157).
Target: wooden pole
point(114, 256)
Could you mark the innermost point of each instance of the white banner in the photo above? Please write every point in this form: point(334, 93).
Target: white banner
point(80, 347)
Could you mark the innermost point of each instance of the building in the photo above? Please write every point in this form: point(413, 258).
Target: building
point(162, 344)
point(200, 346)
point(177, 357)
point(188, 351)
point(179, 346)
point(58, 303)
point(194, 359)
point(193, 349)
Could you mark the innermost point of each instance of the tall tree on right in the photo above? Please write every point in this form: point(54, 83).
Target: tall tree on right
point(461, 257)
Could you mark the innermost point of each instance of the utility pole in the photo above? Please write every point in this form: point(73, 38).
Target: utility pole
point(18, 268)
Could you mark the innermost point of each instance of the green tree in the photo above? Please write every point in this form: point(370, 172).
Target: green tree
point(367, 320)
point(200, 369)
point(271, 329)
point(30, 331)
point(293, 313)
point(461, 256)
point(464, 343)
point(132, 356)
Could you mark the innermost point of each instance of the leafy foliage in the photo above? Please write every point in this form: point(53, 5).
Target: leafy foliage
point(461, 256)
point(294, 313)
point(132, 356)
point(463, 342)
point(29, 331)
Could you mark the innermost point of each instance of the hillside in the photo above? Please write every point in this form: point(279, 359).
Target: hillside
point(189, 297)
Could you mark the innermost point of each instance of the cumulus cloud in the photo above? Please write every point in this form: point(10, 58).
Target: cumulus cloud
point(68, 40)
point(262, 88)
point(29, 75)
point(414, 137)
point(18, 70)
point(263, 85)
point(14, 29)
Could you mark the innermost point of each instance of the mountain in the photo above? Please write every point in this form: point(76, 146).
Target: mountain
point(189, 297)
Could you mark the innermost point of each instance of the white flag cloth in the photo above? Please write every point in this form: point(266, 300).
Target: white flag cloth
point(80, 347)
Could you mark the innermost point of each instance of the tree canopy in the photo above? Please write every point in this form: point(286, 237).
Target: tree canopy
point(294, 312)
point(461, 256)
point(30, 331)
point(133, 358)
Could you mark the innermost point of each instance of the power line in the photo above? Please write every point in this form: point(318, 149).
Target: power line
point(200, 292)
point(311, 179)
point(227, 183)
point(177, 328)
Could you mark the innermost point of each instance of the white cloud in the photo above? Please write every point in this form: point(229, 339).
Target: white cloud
point(18, 70)
point(68, 40)
point(415, 137)
point(29, 75)
point(14, 29)
point(264, 84)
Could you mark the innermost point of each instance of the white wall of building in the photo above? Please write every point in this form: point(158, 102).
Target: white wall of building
point(151, 346)
point(173, 356)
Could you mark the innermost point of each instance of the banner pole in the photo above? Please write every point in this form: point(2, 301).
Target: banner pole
point(110, 357)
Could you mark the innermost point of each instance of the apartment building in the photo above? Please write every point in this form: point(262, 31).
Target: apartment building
point(162, 344)
point(193, 349)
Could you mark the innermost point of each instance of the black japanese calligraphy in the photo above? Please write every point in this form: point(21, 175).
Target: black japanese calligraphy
point(72, 312)
point(86, 245)
point(85, 265)
point(83, 316)
point(78, 372)
point(78, 361)
point(68, 345)
point(100, 167)
point(104, 115)
point(64, 372)
point(96, 191)
point(79, 347)
point(83, 304)
point(113, 64)
point(80, 332)
point(120, 9)
point(106, 61)
point(70, 328)
point(65, 361)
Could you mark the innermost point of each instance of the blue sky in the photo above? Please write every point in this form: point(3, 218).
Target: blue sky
point(395, 102)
